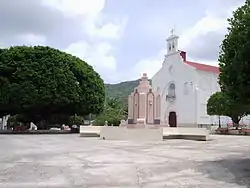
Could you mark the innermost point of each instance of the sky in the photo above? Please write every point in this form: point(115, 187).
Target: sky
point(121, 39)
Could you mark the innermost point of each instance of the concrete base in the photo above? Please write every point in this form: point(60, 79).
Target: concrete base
point(90, 131)
point(149, 132)
point(186, 137)
point(201, 134)
point(123, 133)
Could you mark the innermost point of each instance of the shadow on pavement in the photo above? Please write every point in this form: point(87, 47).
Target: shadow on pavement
point(234, 170)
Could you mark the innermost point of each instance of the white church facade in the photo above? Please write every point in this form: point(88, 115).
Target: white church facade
point(185, 88)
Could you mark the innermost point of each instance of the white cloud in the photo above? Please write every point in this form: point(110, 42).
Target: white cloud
point(150, 66)
point(207, 24)
point(215, 19)
point(77, 7)
point(98, 54)
point(31, 39)
point(108, 30)
point(91, 14)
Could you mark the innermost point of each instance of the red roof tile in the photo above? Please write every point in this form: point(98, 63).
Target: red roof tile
point(203, 67)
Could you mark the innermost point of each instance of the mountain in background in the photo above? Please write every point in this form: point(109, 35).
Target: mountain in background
point(121, 90)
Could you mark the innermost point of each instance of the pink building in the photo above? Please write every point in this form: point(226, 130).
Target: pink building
point(144, 104)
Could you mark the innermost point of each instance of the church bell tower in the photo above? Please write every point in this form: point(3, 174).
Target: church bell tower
point(172, 43)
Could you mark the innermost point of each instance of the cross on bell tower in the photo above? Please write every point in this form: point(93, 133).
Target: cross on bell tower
point(172, 31)
point(172, 43)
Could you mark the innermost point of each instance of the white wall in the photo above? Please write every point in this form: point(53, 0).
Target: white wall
point(207, 84)
point(3, 122)
point(183, 76)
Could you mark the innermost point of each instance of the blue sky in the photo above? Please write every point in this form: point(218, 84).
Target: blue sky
point(120, 39)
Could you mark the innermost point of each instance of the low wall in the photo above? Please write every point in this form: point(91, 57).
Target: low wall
point(122, 133)
point(185, 133)
point(36, 132)
point(187, 125)
point(90, 131)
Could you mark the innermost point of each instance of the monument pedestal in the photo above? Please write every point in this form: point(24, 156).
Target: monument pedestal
point(137, 134)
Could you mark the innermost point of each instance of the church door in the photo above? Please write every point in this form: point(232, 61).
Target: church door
point(172, 119)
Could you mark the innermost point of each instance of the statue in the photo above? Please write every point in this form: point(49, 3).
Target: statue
point(122, 122)
point(106, 123)
point(65, 127)
point(32, 126)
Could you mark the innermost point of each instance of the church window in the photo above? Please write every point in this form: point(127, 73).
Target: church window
point(171, 93)
point(173, 45)
point(169, 47)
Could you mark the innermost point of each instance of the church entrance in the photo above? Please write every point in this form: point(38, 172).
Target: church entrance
point(172, 119)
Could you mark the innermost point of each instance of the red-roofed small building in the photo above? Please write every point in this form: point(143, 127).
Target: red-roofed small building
point(185, 87)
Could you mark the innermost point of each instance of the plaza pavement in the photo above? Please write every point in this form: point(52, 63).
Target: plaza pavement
point(69, 161)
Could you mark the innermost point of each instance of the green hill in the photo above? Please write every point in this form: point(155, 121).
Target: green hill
point(121, 90)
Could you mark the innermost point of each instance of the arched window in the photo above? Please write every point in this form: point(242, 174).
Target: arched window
point(173, 46)
point(171, 92)
point(171, 89)
point(169, 47)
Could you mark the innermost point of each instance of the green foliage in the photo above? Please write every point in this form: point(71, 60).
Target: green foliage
point(113, 112)
point(220, 104)
point(121, 90)
point(40, 81)
point(234, 59)
point(58, 119)
point(76, 120)
point(217, 104)
point(12, 121)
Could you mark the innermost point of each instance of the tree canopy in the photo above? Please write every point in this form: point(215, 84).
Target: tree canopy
point(40, 81)
point(234, 59)
point(217, 104)
point(220, 104)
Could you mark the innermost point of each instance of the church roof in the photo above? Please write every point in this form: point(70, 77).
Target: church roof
point(203, 67)
point(199, 66)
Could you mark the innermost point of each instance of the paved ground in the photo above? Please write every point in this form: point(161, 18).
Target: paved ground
point(68, 161)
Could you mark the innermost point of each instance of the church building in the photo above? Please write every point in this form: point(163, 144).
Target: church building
point(185, 87)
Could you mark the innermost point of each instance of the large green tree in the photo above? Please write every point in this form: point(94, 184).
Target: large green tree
point(40, 81)
point(234, 59)
point(221, 104)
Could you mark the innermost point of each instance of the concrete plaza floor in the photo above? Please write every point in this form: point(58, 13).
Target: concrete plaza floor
point(68, 161)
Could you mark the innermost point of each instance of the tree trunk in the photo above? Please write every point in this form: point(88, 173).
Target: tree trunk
point(219, 122)
point(1, 123)
point(236, 120)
